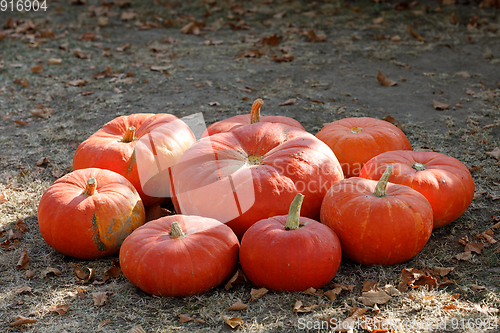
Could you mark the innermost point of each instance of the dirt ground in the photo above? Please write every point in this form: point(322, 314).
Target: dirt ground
point(66, 71)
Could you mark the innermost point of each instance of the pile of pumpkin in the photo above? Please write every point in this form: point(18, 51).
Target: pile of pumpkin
point(238, 182)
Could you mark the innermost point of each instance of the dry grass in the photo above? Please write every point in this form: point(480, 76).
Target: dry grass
point(340, 73)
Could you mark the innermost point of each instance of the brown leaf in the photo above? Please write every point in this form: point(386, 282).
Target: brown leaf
point(465, 256)
point(441, 271)
point(88, 36)
point(474, 247)
point(332, 294)
point(21, 122)
point(82, 55)
point(137, 329)
point(3, 198)
point(23, 82)
point(357, 312)
point(102, 21)
point(21, 289)
point(379, 20)
point(238, 277)
point(386, 82)
point(184, 318)
point(60, 308)
point(300, 308)
point(123, 47)
point(24, 260)
point(439, 105)
point(193, 27)
point(30, 274)
point(214, 103)
point(36, 69)
point(474, 168)
point(312, 291)
point(287, 57)
point(290, 101)
point(42, 112)
point(112, 272)
point(21, 225)
point(82, 276)
point(390, 119)
point(50, 270)
point(470, 92)
point(312, 37)
point(370, 286)
point(257, 293)
point(238, 306)
point(416, 35)
point(20, 320)
point(488, 236)
point(15, 235)
point(477, 288)
point(454, 19)
point(233, 321)
point(495, 153)
point(370, 298)
point(8, 245)
point(271, 40)
point(100, 298)
point(413, 276)
point(54, 61)
point(108, 72)
point(253, 53)
point(463, 240)
point(77, 83)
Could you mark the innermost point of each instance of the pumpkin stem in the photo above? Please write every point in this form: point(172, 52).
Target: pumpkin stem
point(90, 188)
point(129, 134)
point(255, 113)
point(293, 219)
point(176, 230)
point(382, 183)
point(356, 129)
point(418, 166)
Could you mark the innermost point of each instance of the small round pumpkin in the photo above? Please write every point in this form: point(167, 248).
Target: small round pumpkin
point(356, 140)
point(88, 213)
point(229, 124)
point(289, 252)
point(141, 147)
point(179, 255)
point(443, 180)
point(252, 173)
point(377, 222)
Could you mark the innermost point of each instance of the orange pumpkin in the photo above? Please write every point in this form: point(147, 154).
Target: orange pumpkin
point(140, 147)
point(443, 180)
point(377, 223)
point(179, 255)
point(88, 213)
point(232, 123)
point(290, 252)
point(252, 173)
point(356, 140)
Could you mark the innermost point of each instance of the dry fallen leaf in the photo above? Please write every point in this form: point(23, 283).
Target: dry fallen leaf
point(193, 27)
point(370, 286)
point(439, 105)
point(238, 306)
point(257, 293)
point(21, 225)
point(312, 37)
point(60, 308)
point(290, 101)
point(488, 235)
point(464, 256)
point(8, 245)
point(463, 240)
point(415, 277)
point(370, 298)
point(300, 308)
point(386, 82)
point(21, 289)
point(477, 288)
point(102, 21)
point(184, 318)
point(24, 260)
point(379, 20)
point(36, 69)
point(54, 61)
point(474, 247)
point(233, 321)
point(137, 329)
point(495, 153)
point(415, 34)
point(271, 40)
point(83, 277)
point(50, 270)
point(3, 198)
point(101, 298)
point(77, 83)
point(20, 320)
point(313, 291)
point(42, 112)
point(332, 294)
point(238, 277)
point(88, 36)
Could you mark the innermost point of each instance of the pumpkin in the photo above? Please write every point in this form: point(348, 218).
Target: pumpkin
point(88, 213)
point(377, 222)
point(229, 124)
point(443, 180)
point(140, 147)
point(289, 252)
point(179, 255)
point(252, 173)
point(356, 140)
